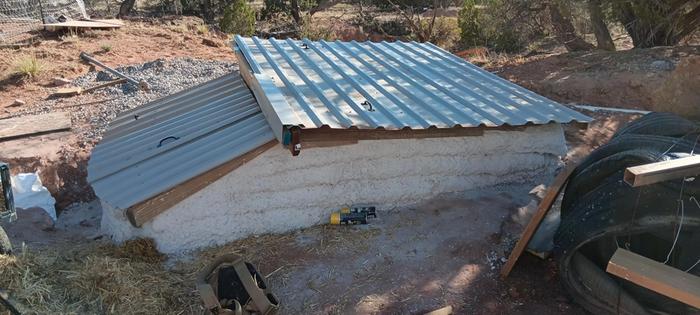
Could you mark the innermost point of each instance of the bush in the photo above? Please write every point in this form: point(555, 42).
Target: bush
point(239, 18)
point(487, 23)
point(316, 31)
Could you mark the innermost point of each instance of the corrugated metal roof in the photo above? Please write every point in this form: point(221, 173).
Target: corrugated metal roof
point(174, 139)
point(388, 85)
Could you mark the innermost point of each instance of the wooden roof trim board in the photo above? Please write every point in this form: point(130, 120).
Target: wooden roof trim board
point(145, 211)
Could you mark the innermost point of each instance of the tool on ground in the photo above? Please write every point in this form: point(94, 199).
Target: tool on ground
point(355, 214)
point(141, 84)
point(232, 286)
point(76, 90)
point(7, 207)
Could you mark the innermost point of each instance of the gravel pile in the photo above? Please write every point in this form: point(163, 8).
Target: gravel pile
point(92, 112)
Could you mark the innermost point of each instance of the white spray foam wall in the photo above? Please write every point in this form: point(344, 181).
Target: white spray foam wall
point(276, 192)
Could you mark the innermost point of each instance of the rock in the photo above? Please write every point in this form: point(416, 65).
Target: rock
point(18, 102)
point(539, 192)
point(524, 214)
point(662, 65)
point(211, 42)
point(58, 81)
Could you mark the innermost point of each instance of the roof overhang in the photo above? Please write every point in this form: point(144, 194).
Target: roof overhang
point(328, 87)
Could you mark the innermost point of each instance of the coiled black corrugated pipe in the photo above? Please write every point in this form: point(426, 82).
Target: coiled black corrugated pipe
point(600, 213)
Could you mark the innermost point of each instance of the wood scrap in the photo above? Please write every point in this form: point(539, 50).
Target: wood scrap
point(662, 171)
point(76, 90)
point(447, 310)
point(544, 206)
point(655, 276)
point(25, 126)
point(81, 24)
point(91, 60)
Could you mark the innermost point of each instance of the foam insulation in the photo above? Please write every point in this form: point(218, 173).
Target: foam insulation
point(277, 192)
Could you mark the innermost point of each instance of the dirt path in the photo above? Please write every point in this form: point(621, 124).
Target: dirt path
point(446, 251)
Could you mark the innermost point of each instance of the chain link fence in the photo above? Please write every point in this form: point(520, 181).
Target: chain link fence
point(18, 18)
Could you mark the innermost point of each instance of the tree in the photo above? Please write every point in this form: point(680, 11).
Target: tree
point(602, 34)
point(239, 18)
point(657, 23)
point(126, 7)
point(564, 30)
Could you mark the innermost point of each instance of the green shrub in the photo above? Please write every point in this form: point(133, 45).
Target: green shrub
point(239, 18)
point(316, 31)
point(106, 47)
point(487, 23)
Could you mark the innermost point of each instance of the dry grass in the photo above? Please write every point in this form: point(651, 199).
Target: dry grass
point(202, 29)
point(97, 278)
point(28, 66)
point(106, 47)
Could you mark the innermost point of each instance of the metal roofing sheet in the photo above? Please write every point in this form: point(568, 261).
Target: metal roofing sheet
point(388, 85)
point(155, 147)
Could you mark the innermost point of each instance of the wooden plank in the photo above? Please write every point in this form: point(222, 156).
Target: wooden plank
point(447, 310)
point(328, 134)
point(655, 276)
point(117, 22)
point(81, 24)
point(76, 90)
point(662, 171)
point(19, 127)
point(550, 196)
point(149, 209)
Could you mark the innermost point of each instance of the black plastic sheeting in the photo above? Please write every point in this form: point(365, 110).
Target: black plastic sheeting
point(600, 212)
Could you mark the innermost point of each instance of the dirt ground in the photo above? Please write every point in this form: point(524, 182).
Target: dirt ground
point(446, 251)
point(656, 79)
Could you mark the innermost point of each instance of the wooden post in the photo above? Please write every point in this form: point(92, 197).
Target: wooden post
point(655, 276)
point(662, 171)
point(542, 209)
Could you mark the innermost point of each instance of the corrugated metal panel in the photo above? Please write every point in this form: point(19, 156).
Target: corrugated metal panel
point(155, 147)
point(389, 85)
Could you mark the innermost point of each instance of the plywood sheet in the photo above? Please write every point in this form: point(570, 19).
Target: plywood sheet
point(24, 126)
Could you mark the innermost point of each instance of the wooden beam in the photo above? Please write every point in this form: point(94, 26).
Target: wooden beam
point(549, 198)
point(24, 126)
point(310, 136)
point(447, 310)
point(149, 209)
point(655, 276)
point(662, 171)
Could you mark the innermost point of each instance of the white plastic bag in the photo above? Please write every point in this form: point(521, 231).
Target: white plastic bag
point(29, 192)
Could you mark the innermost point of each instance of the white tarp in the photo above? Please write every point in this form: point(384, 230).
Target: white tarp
point(29, 192)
